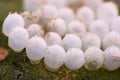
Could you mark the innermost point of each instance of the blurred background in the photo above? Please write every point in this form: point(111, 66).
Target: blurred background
point(7, 6)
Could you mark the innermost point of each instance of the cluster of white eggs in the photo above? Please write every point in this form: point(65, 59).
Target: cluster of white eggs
point(89, 36)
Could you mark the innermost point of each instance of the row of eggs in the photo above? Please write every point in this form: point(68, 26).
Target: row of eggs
point(71, 55)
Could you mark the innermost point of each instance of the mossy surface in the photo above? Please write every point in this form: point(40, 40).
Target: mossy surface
point(17, 66)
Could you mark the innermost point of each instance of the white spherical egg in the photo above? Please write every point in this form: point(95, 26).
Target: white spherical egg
point(57, 3)
point(12, 21)
point(86, 15)
point(18, 39)
point(93, 58)
point(71, 41)
point(67, 14)
point(46, 14)
point(30, 18)
point(53, 38)
point(112, 58)
point(35, 49)
point(57, 25)
point(76, 27)
point(94, 4)
point(100, 28)
point(111, 39)
point(35, 29)
point(54, 57)
point(115, 25)
point(107, 12)
point(90, 39)
point(75, 59)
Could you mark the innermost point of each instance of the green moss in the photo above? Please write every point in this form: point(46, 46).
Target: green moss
point(17, 66)
point(7, 6)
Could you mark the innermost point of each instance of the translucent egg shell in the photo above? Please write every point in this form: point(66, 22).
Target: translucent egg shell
point(112, 58)
point(93, 58)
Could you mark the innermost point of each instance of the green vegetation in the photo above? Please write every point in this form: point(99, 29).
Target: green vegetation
point(17, 66)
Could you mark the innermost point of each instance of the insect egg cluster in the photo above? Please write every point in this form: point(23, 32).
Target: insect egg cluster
point(74, 33)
